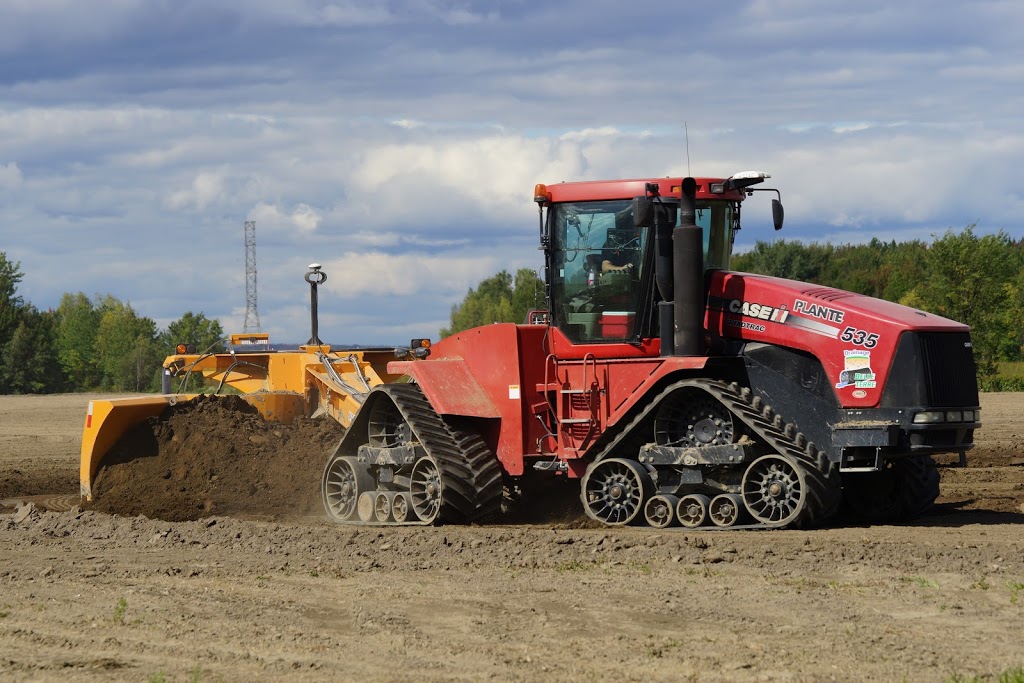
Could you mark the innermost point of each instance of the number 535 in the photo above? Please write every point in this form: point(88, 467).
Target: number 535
point(859, 337)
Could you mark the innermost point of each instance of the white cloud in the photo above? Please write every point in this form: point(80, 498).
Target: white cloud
point(376, 273)
point(851, 127)
point(10, 176)
point(407, 123)
point(207, 188)
point(301, 217)
point(590, 133)
point(491, 175)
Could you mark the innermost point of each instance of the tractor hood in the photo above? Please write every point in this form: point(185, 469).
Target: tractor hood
point(854, 336)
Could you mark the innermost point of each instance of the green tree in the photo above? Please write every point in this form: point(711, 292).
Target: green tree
point(10, 303)
point(127, 354)
point(969, 278)
point(193, 328)
point(1015, 310)
point(77, 323)
point(499, 298)
point(29, 363)
point(791, 260)
point(857, 268)
point(905, 267)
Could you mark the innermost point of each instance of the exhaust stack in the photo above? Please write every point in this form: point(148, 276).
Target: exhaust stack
point(688, 276)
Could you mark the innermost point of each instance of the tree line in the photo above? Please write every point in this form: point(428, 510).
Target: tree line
point(974, 279)
point(86, 344)
point(102, 343)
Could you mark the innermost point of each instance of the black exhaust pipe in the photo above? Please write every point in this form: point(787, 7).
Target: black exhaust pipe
point(688, 276)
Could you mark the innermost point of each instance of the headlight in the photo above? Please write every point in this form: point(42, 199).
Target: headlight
point(968, 416)
point(954, 416)
point(929, 417)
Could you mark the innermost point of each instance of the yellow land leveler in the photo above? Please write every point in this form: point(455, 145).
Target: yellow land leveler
point(312, 380)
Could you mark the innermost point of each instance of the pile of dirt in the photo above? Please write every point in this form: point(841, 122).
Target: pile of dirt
point(216, 456)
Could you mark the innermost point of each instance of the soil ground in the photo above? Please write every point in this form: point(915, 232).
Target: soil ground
point(273, 591)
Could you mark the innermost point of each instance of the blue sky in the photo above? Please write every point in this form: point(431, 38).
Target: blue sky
point(398, 142)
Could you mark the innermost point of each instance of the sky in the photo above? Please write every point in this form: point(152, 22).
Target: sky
point(397, 142)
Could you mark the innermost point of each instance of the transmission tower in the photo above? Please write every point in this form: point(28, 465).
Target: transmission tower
point(252, 316)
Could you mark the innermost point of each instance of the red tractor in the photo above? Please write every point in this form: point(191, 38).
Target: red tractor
point(674, 390)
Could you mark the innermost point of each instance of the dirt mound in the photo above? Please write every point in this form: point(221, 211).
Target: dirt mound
point(216, 456)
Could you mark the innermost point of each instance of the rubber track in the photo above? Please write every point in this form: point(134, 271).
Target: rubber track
point(471, 480)
point(824, 491)
point(484, 469)
point(918, 485)
point(906, 489)
point(823, 485)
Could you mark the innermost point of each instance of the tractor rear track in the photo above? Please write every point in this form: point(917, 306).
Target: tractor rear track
point(470, 475)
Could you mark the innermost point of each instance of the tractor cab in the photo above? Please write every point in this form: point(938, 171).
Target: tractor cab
point(599, 239)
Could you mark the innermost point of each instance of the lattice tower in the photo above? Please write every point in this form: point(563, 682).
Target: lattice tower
point(252, 316)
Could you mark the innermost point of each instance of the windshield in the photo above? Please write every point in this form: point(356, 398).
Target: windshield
point(598, 264)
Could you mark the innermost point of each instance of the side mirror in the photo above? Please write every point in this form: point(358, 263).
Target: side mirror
point(643, 212)
point(778, 214)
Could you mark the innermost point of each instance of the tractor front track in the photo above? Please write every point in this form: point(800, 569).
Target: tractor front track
point(411, 468)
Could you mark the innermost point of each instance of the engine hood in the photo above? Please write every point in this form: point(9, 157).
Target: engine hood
point(854, 336)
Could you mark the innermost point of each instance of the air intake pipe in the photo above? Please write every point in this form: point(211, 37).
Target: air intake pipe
point(688, 276)
point(663, 227)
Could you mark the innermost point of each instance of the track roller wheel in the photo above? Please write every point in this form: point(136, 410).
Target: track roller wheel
point(341, 485)
point(724, 509)
point(774, 489)
point(692, 510)
point(425, 489)
point(615, 490)
point(382, 507)
point(365, 506)
point(660, 510)
point(400, 507)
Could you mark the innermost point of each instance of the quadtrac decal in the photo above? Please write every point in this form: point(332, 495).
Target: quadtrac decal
point(857, 370)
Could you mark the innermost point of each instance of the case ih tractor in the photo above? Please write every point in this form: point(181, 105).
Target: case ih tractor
point(671, 390)
point(674, 390)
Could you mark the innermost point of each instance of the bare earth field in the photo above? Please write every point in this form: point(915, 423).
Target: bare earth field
point(89, 596)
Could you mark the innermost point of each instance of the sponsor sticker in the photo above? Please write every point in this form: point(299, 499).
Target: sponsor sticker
point(857, 370)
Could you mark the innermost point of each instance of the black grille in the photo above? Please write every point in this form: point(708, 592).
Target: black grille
point(950, 375)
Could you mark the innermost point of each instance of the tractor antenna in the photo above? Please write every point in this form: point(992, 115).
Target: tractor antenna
point(252, 316)
point(686, 134)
